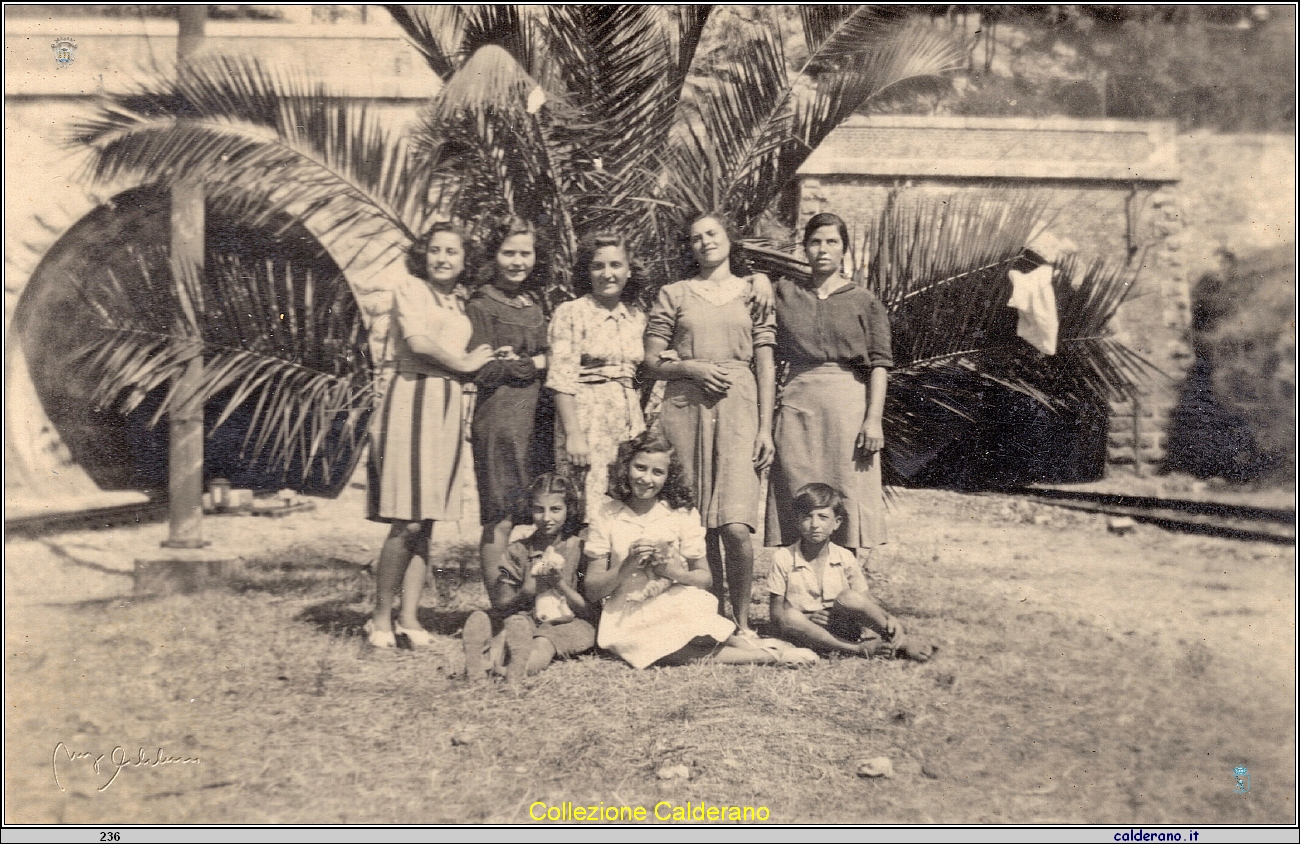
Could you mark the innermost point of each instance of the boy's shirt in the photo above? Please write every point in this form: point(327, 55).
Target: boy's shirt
point(812, 585)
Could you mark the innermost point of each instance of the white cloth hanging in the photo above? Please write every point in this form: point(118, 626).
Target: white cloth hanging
point(1032, 293)
point(1033, 296)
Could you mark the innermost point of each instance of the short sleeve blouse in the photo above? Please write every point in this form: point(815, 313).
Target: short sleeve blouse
point(849, 326)
point(418, 309)
point(698, 328)
point(614, 527)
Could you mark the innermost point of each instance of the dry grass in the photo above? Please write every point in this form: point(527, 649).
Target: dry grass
point(1083, 678)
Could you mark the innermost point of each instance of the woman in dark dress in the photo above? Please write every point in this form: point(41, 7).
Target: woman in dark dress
point(834, 335)
point(506, 315)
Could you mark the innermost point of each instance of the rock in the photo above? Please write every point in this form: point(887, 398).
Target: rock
point(673, 772)
point(1121, 525)
point(876, 768)
point(933, 770)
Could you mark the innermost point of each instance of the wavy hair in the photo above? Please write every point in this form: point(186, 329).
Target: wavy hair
point(417, 252)
point(504, 229)
point(587, 249)
point(553, 483)
point(675, 493)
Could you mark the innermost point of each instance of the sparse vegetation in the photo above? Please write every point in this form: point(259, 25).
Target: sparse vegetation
point(1065, 690)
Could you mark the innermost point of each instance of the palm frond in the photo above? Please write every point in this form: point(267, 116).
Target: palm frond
point(940, 266)
point(754, 127)
point(281, 349)
point(436, 31)
point(265, 142)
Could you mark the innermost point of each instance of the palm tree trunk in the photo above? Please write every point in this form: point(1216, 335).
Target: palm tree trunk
point(185, 425)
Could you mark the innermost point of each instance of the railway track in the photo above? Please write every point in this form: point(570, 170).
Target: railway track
point(1260, 524)
point(96, 519)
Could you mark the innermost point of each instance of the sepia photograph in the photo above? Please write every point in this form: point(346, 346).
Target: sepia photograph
point(588, 416)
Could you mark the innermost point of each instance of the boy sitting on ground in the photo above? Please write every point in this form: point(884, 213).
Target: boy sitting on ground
point(819, 593)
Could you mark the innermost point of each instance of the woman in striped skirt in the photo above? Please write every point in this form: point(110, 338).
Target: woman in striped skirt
point(418, 462)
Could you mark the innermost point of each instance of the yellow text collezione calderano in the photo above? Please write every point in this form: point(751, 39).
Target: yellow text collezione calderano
point(567, 812)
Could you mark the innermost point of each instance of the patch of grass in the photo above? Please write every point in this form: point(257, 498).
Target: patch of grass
point(1039, 707)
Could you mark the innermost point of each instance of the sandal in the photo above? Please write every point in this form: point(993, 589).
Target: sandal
point(418, 636)
point(379, 638)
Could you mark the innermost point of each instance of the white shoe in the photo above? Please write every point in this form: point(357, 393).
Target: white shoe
point(379, 638)
point(420, 638)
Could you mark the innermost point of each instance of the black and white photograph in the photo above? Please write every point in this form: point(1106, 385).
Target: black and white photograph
point(581, 417)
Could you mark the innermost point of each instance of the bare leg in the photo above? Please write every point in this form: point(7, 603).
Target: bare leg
point(874, 616)
point(477, 636)
point(731, 655)
point(740, 571)
point(713, 553)
point(492, 549)
point(541, 655)
point(394, 562)
point(412, 587)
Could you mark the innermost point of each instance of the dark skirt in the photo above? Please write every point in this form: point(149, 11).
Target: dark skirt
point(512, 445)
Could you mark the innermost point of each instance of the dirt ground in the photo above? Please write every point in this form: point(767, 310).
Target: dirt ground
point(1083, 677)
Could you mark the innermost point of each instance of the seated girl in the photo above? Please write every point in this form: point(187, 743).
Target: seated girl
point(645, 550)
point(536, 601)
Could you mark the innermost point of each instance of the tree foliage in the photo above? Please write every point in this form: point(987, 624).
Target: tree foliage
point(595, 117)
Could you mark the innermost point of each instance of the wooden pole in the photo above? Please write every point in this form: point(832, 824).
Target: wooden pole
point(185, 424)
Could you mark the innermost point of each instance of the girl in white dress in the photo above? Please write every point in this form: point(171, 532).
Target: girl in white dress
point(646, 562)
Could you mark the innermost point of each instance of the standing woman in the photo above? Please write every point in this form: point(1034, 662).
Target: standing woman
point(418, 464)
point(717, 413)
point(507, 317)
point(596, 346)
point(835, 337)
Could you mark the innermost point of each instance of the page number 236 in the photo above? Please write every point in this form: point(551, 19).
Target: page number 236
point(110, 836)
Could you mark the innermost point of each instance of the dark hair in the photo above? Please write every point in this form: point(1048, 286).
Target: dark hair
point(675, 493)
point(553, 483)
point(417, 260)
point(504, 229)
point(587, 249)
point(822, 220)
point(815, 496)
point(690, 267)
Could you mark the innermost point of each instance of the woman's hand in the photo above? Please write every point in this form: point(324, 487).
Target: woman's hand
point(475, 360)
point(764, 452)
point(673, 569)
point(506, 353)
point(641, 550)
point(871, 438)
point(576, 449)
point(711, 376)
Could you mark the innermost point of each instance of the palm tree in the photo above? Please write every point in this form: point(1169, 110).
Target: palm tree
point(585, 117)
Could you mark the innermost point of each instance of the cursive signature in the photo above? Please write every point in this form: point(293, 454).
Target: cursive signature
point(117, 759)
